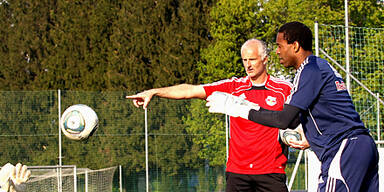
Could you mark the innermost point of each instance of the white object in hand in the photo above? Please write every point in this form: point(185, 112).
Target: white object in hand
point(225, 103)
point(288, 135)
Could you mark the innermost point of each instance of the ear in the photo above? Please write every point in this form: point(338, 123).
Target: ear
point(265, 60)
point(296, 46)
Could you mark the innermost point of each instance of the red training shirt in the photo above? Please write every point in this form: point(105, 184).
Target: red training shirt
point(254, 148)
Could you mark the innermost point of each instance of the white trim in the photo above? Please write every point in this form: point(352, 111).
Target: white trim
point(314, 122)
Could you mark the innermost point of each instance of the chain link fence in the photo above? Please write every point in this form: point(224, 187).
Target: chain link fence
point(178, 158)
point(186, 150)
point(365, 66)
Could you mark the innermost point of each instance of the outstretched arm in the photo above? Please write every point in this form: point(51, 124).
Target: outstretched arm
point(182, 91)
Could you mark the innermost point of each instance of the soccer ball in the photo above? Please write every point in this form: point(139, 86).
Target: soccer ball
point(289, 134)
point(78, 122)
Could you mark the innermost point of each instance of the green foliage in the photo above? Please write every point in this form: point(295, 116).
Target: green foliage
point(209, 142)
point(168, 136)
point(100, 45)
point(27, 127)
point(366, 13)
point(232, 22)
point(23, 39)
point(109, 46)
point(368, 66)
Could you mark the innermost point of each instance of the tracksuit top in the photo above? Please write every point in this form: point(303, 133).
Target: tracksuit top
point(327, 113)
point(254, 148)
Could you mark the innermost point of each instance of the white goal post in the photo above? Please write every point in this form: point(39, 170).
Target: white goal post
point(69, 178)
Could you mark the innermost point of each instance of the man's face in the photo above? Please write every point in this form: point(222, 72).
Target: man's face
point(285, 51)
point(253, 63)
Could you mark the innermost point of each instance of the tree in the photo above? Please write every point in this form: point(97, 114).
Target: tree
point(78, 47)
point(23, 42)
point(157, 43)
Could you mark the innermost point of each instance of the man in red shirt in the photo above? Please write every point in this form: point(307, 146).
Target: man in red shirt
point(256, 159)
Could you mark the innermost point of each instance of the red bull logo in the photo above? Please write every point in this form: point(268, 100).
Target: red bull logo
point(271, 101)
point(340, 86)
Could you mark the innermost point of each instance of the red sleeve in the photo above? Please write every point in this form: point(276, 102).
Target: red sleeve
point(282, 86)
point(226, 85)
point(210, 88)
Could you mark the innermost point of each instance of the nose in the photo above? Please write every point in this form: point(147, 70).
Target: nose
point(247, 62)
point(277, 51)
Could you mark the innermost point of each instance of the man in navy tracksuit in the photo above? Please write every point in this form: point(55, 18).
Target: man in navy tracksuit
point(321, 101)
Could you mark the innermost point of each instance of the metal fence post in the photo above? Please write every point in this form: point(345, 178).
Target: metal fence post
point(347, 47)
point(86, 181)
point(120, 178)
point(60, 147)
point(146, 151)
point(226, 136)
point(75, 178)
point(316, 38)
point(378, 118)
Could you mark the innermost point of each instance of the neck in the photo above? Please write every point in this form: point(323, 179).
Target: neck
point(259, 80)
point(301, 57)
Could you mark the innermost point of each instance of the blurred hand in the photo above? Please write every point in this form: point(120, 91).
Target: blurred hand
point(5, 174)
point(141, 99)
point(303, 144)
point(20, 175)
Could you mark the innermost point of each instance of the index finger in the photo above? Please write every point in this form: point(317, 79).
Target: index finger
point(132, 97)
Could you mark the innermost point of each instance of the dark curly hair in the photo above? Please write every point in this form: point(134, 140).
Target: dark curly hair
point(296, 31)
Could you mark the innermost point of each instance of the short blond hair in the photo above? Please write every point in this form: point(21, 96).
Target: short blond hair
point(262, 46)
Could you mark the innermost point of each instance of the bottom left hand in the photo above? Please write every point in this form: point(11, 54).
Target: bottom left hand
point(13, 178)
point(19, 177)
point(5, 175)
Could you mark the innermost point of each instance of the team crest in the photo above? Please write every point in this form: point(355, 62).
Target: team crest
point(340, 85)
point(271, 101)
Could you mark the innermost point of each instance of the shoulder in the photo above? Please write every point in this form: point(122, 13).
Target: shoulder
point(231, 85)
point(311, 68)
point(279, 83)
point(313, 63)
point(233, 80)
point(320, 68)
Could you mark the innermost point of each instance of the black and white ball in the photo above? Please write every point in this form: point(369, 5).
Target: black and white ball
point(289, 134)
point(78, 122)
